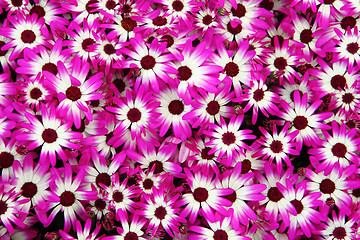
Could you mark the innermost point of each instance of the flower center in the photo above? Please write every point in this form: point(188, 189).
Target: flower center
point(148, 183)
point(119, 84)
point(220, 235)
point(160, 212)
point(176, 107)
point(158, 166)
point(339, 150)
point(95, 103)
point(110, 4)
point(128, 24)
point(49, 135)
point(328, 1)
point(38, 10)
point(118, 196)
point(213, 107)
point(100, 204)
point(103, 178)
point(231, 69)
point(6, 160)
point(207, 19)
point(352, 48)
point(67, 199)
point(339, 233)
point(356, 192)
point(298, 205)
point(327, 186)
point(228, 138)
point(280, 63)
point(28, 36)
point(177, 5)
point(50, 67)
point(159, 21)
point(201, 194)
point(86, 43)
point(3, 207)
point(90, 6)
point(348, 98)
point(169, 40)
point(351, 124)
point(131, 236)
point(245, 166)
point(205, 154)
point(16, 3)
point(29, 189)
point(231, 197)
point(147, 62)
point(258, 95)
point(109, 49)
point(276, 146)
point(239, 12)
point(2, 53)
point(267, 5)
point(126, 8)
point(348, 22)
point(338, 81)
point(274, 194)
point(306, 36)
point(73, 93)
point(35, 93)
point(134, 115)
point(234, 31)
point(300, 122)
point(184, 73)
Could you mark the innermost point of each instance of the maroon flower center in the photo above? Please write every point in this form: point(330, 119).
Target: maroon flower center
point(73, 93)
point(177, 5)
point(356, 192)
point(28, 36)
point(109, 49)
point(148, 183)
point(126, 8)
point(339, 150)
point(201, 194)
point(3, 207)
point(2, 53)
point(352, 48)
point(280, 63)
point(16, 3)
point(35, 93)
point(128, 24)
point(147, 62)
point(50, 67)
point(159, 21)
point(95, 103)
point(67, 199)
point(100, 204)
point(267, 5)
point(234, 31)
point(339, 233)
point(239, 12)
point(38, 10)
point(220, 235)
point(184, 73)
point(169, 40)
point(213, 107)
point(110, 4)
point(131, 236)
point(86, 43)
point(327, 186)
point(176, 107)
point(160, 212)
point(276, 146)
point(351, 124)
point(300, 122)
point(6, 160)
point(328, 1)
point(118, 196)
point(338, 81)
point(205, 154)
point(298, 205)
point(231, 69)
point(231, 197)
point(103, 178)
point(228, 138)
point(259, 95)
point(306, 36)
point(245, 166)
point(158, 166)
point(134, 115)
point(90, 6)
point(207, 19)
point(348, 22)
point(274, 194)
point(119, 84)
point(29, 189)
point(348, 98)
point(49, 135)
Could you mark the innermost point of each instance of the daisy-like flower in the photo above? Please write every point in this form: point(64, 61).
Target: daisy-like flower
point(16, 6)
point(278, 146)
point(158, 21)
point(25, 32)
point(49, 11)
point(75, 89)
point(50, 133)
point(348, 100)
point(8, 155)
point(206, 20)
point(179, 10)
point(304, 120)
point(150, 60)
point(204, 197)
point(329, 11)
point(122, 26)
point(228, 139)
point(82, 234)
point(339, 228)
point(233, 30)
point(130, 231)
point(161, 211)
point(100, 206)
point(340, 148)
point(149, 182)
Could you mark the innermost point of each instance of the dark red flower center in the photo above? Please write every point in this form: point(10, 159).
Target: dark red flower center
point(86, 43)
point(298, 205)
point(100, 204)
point(276, 146)
point(339, 150)
point(158, 166)
point(348, 98)
point(201, 194)
point(134, 115)
point(159, 21)
point(306, 36)
point(300, 122)
point(274, 194)
point(2, 53)
point(131, 236)
point(148, 183)
point(119, 84)
point(67, 199)
point(118, 196)
point(338, 81)
point(160, 212)
point(16, 3)
point(184, 73)
point(280, 63)
point(352, 48)
point(35, 93)
point(220, 235)
point(228, 138)
point(339, 233)
point(3, 207)
point(126, 8)
point(205, 154)
point(328, 1)
point(90, 7)
point(245, 166)
point(327, 186)
point(95, 103)
point(207, 19)
point(231, 69)
point(49, 135)
point(29, 189)
point(177, 5)
point(73, 93)
point(234, 30)
point(50, 67)
point(267, 5)
point(239, 12)
point(38, 10)
point(351, 124)
point(110, 4)
point(128, 24)
point(109, 49)
point(348, 22)
point(259, 95)
point(231, 197)
point(213, 108)
point(176, 107)
point(6, 159)
point(28, 36)
point(103, 178)
point(147, 62)
point(169, 40)
point(356, 192)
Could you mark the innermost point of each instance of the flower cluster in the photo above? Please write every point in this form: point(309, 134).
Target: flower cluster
point(179, 119)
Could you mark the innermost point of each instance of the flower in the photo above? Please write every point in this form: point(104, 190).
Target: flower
point(338, 228)
point(82, 234)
